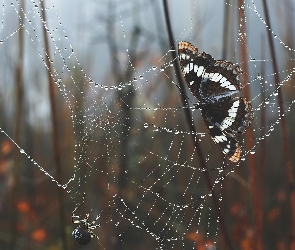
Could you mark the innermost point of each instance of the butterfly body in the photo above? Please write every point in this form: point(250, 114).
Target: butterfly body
point(214, 83)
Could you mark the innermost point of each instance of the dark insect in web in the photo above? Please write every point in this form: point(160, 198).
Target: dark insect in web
point(83, 233)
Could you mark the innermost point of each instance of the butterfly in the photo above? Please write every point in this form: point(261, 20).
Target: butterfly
point(214, 83)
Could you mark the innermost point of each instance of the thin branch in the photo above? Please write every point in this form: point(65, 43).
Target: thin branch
point(18, 122)
point(257, 238)
point(188, 117)
point(56, 144)
point(262, 154)
point(286, 143)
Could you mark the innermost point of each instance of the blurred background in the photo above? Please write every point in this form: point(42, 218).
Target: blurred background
point(89, 92)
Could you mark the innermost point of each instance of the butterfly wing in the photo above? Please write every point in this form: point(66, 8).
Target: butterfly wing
point(225, 120)
point(209, 80)
point(231, 116)
point(227, 144)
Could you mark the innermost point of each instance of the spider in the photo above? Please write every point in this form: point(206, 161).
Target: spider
point(83, 233)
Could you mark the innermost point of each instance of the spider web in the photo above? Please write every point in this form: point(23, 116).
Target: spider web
point(136, 168)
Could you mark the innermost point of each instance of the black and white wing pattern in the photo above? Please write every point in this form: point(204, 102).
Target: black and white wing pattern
point(213, 83)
